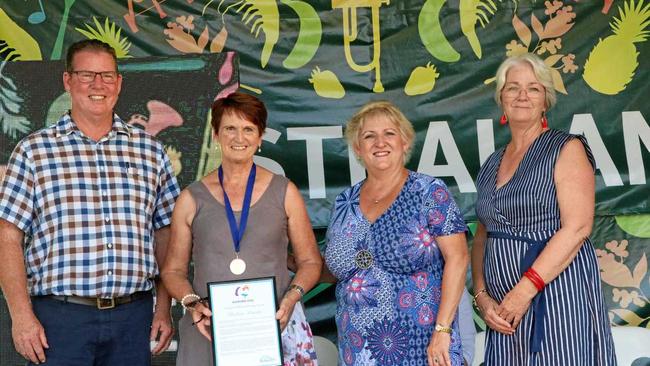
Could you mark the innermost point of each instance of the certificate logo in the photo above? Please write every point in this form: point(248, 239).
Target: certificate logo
point(241, 292)
point(266, 358)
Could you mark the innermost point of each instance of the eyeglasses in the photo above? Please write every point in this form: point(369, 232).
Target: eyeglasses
point(533, 91)
point(109, 77)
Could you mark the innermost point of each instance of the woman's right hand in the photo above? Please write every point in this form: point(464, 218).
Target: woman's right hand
point(201, 317)
point(488, 307)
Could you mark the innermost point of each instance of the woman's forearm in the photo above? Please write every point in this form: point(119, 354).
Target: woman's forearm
point(478, 252)
point(560, 252)
point(307, 275)
point(453, 283)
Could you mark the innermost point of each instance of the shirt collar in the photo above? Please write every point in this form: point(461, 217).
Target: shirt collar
point(66, 126)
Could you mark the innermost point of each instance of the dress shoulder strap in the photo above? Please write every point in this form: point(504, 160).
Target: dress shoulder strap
point(555, 140)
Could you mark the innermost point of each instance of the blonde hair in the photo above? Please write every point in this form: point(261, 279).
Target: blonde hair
point(380, 108)
point(540, 69)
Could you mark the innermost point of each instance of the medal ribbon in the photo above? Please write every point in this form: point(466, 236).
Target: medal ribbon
point(236, 232)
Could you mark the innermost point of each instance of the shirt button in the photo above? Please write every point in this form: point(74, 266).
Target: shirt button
point(110, 273)
point(109, 245)
point(107, 219)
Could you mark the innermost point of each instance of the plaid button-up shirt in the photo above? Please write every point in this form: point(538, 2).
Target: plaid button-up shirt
point(89, 209)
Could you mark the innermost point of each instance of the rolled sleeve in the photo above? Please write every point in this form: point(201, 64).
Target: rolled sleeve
point(168, 191)
point(444, 215)
point(17, 190)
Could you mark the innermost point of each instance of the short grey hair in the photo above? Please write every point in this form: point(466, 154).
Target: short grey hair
point(388, 110)
point(542, 72)
point(93, 45)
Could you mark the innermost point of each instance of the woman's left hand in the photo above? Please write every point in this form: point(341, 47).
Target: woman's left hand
point(286, 308)
point(516, 303)
point(438, 350)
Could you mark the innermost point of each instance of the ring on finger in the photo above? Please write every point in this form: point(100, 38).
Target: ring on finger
point(435, 360)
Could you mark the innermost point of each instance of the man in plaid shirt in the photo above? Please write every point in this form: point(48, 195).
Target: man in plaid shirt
point(80, 205)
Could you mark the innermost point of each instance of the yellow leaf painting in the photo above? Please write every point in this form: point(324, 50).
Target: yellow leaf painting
point(629, 316)
point(24, 46)
point(637, 225)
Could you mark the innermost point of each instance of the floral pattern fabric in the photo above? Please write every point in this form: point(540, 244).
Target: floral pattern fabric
point(298, 341)
point(386, 312)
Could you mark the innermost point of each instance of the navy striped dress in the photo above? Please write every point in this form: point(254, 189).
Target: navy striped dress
point(519, 217)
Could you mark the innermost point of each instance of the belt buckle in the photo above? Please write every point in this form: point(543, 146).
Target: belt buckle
point(103, 304)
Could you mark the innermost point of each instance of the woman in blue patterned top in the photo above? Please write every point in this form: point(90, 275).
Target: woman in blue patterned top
point(396, 246)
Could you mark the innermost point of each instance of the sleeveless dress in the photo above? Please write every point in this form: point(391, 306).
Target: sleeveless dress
point(389, 274)
point(567, 322)
point(263, 247)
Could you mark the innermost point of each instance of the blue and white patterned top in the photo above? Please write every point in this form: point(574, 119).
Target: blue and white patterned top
point(89, 208)
point(386, 313)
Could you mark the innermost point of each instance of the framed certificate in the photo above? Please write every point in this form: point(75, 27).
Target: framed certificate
point(244, 328)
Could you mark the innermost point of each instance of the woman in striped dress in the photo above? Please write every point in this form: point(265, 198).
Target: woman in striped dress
point(536, 277)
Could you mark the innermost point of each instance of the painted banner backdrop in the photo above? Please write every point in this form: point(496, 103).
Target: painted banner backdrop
point(152, 98)
point(315, 62)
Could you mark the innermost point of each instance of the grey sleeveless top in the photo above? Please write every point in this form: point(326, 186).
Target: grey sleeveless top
point(263, 248)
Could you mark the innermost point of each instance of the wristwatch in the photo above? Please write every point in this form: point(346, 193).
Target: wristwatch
point(442, 328)
point(297, 288)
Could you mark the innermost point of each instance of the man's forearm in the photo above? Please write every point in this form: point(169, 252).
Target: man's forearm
point(163, 300)
point(13, 277)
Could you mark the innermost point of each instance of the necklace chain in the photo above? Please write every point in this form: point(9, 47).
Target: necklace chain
point(389, 194)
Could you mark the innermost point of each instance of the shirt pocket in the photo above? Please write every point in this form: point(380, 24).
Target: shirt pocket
point(139, 182)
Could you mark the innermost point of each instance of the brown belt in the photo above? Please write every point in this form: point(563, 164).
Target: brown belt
point(101, 303)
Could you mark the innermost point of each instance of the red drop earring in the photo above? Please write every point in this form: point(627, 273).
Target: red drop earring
point(503, 119)
point(544, 121)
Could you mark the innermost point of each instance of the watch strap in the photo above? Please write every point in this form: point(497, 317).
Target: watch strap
point(443, 329)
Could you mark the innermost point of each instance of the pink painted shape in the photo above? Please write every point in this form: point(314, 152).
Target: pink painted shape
point(161, 116)
point(226, 71)
point(606, 5)
point(226, 92)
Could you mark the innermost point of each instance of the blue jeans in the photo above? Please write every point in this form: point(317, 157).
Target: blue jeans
point(81, 335)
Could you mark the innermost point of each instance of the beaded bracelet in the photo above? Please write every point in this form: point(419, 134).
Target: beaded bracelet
point(535, 278)
point(194, 296)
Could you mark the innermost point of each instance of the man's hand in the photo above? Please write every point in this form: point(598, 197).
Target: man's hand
point(162, 330)
point(27, 332)
point(29, 337)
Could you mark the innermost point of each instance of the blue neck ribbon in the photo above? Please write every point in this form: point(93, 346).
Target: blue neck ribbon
point(237, 232)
